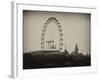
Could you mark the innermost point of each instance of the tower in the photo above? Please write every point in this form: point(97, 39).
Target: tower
point(66, 50)
point(76, 49)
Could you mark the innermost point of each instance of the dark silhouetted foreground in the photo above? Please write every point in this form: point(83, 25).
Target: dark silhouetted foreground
point(51, 59)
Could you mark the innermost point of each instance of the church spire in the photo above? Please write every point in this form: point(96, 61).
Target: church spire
point(76, 49)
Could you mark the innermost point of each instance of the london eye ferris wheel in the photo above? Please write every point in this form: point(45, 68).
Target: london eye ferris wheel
point(49, 20)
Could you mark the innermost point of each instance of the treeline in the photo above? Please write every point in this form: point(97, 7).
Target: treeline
point(54, 59)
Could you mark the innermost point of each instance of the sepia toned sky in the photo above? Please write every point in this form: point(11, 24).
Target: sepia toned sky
point(75, 26)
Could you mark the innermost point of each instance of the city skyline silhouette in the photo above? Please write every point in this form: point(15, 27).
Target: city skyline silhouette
point(52, 39)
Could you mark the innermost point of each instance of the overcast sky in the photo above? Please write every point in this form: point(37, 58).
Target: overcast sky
point(75, 26)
